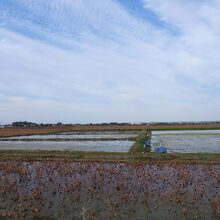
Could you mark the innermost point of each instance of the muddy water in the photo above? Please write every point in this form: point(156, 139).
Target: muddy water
point(103, 190)
point(81, 135)
point(188, 141)
point(77, 141)
point(105, 146)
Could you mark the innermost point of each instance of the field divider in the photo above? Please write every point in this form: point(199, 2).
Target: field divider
point(138, 146)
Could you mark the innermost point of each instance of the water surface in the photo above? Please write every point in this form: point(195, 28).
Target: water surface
point(109, 190)
point(105, 146)
point(188, 141)
point(81, 135)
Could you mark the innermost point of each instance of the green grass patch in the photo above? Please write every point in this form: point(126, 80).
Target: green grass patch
point(106, 156)
point(138, 146)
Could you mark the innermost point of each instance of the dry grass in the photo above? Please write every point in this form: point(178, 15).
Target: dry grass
point(185, 127)
point(7, 132)
point(187, 158)
point(64, 189)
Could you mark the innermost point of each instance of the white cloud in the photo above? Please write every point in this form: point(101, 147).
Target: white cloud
point(119, 69)
point(199, 25)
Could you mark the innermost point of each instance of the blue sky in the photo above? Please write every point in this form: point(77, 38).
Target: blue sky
point(109, 60)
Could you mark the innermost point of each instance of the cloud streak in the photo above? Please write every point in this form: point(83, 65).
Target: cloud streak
point(86, 61)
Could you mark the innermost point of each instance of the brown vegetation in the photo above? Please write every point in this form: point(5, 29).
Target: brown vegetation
point(108, 190)
point(7, 132)
point(185, 126)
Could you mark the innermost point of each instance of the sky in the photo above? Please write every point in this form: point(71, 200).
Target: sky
point(92, 61)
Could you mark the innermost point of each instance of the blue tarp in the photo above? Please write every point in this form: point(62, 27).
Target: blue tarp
point(160, 150)
point(147, 143)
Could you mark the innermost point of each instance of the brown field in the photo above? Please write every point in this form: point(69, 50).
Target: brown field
point(6, 132)
point(108, 190)
point(187, 127)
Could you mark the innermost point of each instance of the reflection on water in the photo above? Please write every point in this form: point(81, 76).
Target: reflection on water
point(188, 141)
point(108, 190)
point(81, 135)
point(105, 146)
point(111, 141)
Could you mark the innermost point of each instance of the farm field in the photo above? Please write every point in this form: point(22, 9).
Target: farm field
point(104, 141)
point(186, 127)
point(62, 183)
point(85, 135)
point(187, 141)
point(102, 146)
point(111, 190)
point(7, 132)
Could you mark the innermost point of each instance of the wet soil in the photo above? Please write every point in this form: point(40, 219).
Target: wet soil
point(108, 190)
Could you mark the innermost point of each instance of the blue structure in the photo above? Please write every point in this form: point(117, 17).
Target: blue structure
point(147, 146)
point(160, 150)
point(147, 143)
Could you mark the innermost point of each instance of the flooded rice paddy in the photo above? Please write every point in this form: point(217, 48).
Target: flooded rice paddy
point(109, 190)
point(104, 146)
point(79, 141)
point(82, 135)
point(192, 141)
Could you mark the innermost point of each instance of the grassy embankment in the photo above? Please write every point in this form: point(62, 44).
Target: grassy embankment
point(138, 146)
point(105, 156)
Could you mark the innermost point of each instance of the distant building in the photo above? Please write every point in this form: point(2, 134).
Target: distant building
point(24, 124)
point(59, 124)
